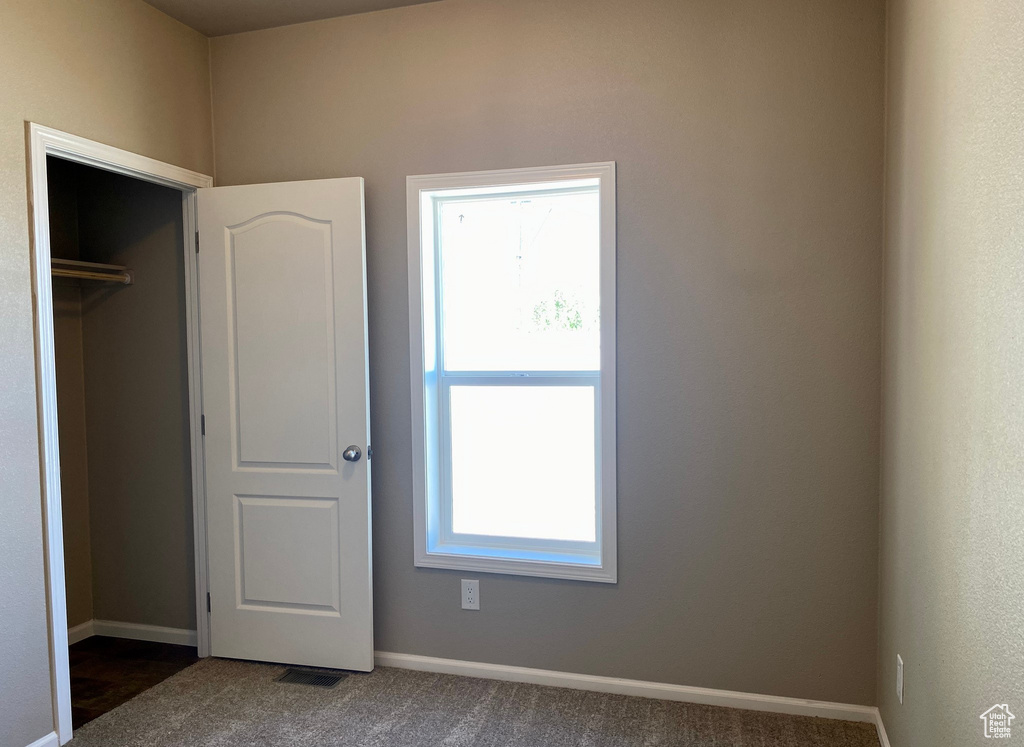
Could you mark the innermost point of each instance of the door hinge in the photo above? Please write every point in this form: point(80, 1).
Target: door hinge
point(197, 242)
point(209, 604)
point(202, 424)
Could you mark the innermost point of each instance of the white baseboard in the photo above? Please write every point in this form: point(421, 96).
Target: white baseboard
point(660, 690)
point(50, 740)
point(883, 738)
point(134, 631)
point(80, 632)
point(139, 632)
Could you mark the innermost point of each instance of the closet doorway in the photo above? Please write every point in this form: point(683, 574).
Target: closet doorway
point(115, 276)
point(251, 419)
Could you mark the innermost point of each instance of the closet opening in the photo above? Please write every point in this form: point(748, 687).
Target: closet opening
point(120, 354)
point(120, 410)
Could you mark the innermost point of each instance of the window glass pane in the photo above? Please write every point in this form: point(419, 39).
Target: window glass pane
point(520, 282)
point(523, 462)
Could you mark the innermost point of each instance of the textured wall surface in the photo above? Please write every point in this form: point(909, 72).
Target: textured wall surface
point(119, 72)
point(952, 547)
point(749, 140)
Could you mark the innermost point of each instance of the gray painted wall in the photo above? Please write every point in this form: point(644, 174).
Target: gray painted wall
point(119, 72)
point(749, 143)
point(74, 465)
point(952, 548)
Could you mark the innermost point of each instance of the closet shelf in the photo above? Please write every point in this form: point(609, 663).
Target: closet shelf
point(72, 268)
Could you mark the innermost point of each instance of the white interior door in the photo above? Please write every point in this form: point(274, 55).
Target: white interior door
point(285, 395)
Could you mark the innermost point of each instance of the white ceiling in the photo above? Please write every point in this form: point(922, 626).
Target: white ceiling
point(219, 17)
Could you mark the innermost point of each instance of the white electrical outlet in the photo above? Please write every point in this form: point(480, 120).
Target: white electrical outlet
point(470, 594)
point(899, 678)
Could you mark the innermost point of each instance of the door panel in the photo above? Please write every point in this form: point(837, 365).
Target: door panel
point(280, 281)
point(279, 537)
point(282, 289)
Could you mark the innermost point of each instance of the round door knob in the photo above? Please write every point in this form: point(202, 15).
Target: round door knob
point(351, 454)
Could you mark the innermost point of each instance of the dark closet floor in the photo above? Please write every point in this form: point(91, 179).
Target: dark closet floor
point(106, 672)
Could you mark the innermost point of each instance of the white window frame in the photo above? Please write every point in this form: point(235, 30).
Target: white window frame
point(433, 545)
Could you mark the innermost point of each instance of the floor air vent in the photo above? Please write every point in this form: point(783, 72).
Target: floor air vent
point(310, 677)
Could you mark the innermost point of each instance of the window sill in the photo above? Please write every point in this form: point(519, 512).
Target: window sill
point(583, 568)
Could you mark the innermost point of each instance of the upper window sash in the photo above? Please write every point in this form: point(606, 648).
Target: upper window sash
point(472, 335)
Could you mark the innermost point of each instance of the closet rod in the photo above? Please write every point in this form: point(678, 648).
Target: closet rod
point(74, 268)
point(110, 277)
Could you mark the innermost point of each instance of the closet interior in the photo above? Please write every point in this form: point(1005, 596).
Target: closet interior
point(119, 328)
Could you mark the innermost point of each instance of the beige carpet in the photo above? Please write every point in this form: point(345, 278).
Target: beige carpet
point(220, 703)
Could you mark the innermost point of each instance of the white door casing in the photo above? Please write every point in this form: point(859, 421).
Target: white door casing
point(285, 392)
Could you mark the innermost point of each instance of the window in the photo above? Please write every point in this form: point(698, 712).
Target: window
point(512, 319)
